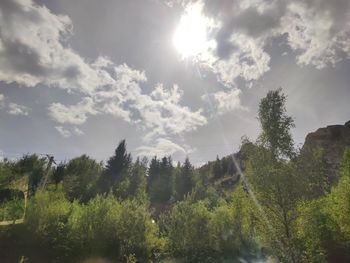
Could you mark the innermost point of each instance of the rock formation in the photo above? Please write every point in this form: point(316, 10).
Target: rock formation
point(332, 139)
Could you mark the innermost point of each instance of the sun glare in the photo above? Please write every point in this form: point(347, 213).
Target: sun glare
point(191, 35)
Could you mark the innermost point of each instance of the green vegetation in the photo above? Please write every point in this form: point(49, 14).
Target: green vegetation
point(282, 206)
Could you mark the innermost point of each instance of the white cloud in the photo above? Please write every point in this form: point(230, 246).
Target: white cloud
point(315, 34)
point(77, 131)
point(173, 95)
point(317, 30)
point(75, 114)
point(248, 61)
point(66, 132)
point(116, 110)
point(33, 50)
point(161, 147)
point(158, 113)
point(225, 101)
point(16, 109)
point(63, 131)
point(13, 108)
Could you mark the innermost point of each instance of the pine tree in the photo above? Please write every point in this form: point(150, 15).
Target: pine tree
point(117, 168)
point(184, 181)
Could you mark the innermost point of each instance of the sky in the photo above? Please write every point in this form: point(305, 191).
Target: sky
point(181, 78)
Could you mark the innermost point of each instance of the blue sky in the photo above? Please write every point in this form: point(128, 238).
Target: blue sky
point(181, 78)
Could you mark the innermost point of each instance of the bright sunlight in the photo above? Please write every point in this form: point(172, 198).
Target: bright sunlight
point(191, 35)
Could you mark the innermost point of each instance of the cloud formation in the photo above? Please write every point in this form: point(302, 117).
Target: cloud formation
point(66, 133)
point(161, 147)
point(318, 31)
point(75, 114)
point(16, 109)
point(225, 101)
point(34, 50)
point(13, 108)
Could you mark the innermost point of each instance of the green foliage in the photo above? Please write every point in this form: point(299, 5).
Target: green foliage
point(198, 232)
point(184, 180)
point(12, 209)
point(115, 229)
point(117, 168)
point(104, 227)
point(80, 178)
point(284, 204)
point(338, 208)
point(138, 181)
point(345, 165)
point(310, 165)
point(324, 223)
point(32, 166)
point(47, 215)
point(58, 173)
point(187, 228)
point(6, 174)
point(313, 231)
point(278, 190)
point(161, 180)
point(276, 124)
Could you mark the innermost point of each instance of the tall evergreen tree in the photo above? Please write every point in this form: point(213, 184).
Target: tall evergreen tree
point(217, 168)
point(161, 179)
point(118, 166)
point(184, 181)
point(137, 187)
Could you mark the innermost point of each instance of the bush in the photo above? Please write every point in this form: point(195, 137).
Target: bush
point(12, 209)
point(186, 228)
point(119, 230)
point(47, 217)
point(102, 227)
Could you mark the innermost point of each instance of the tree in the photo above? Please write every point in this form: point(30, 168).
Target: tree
point(217, 168)
point(138, 180)
point(133, 185)
point(80, 178)
point(187, 228)
point(339, 201)
point(6, 174)
point(345, 165)
point(117, 168)
point(324, 224)
point(34, 167)
point(310, 165)
point(277, 189)
point(58, 173)
point(184, 180)
point(276, 124)
point(277, 186)
point(161, 179)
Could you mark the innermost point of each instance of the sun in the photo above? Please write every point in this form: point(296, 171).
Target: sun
point(191, 35)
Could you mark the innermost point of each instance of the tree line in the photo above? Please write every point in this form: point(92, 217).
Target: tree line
point(282, 206)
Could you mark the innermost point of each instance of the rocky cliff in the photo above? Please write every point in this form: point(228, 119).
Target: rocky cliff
point(333, 140)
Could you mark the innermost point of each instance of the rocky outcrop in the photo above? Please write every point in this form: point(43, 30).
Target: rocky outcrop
point(332, 139)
